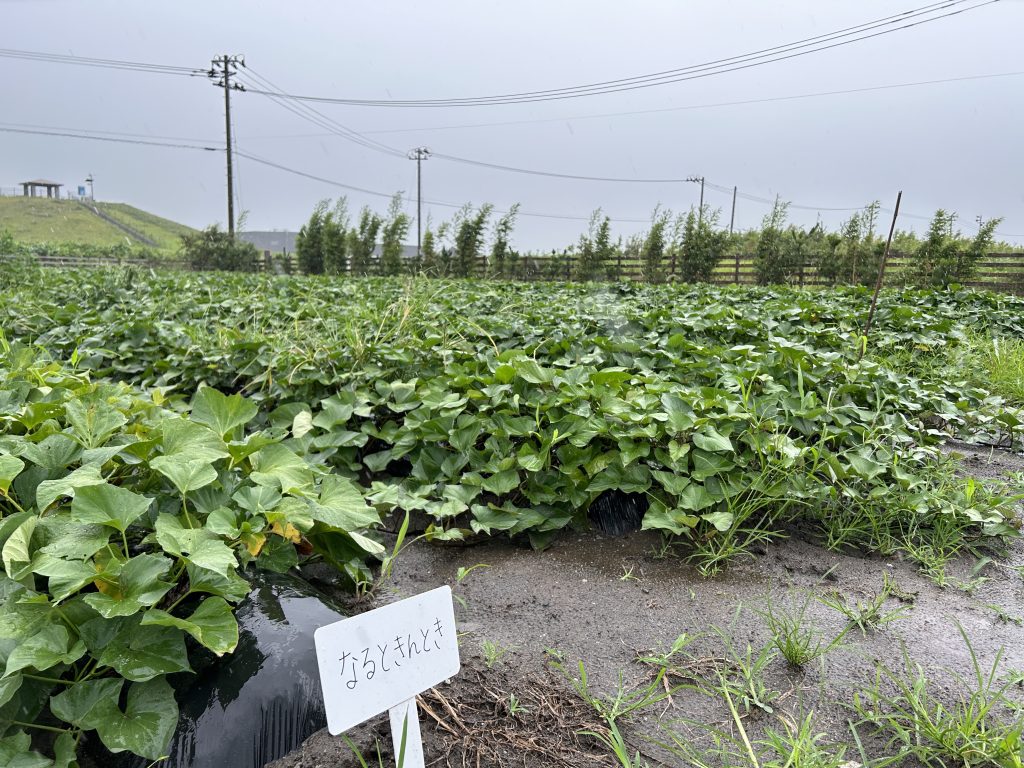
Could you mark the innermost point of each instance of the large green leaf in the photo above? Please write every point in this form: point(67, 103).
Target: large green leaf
point(93, 423)
point(17, 550)
point(192, 441)
point(10, 468)
point(141, 653)
point(186, 473)
point(108, 505)
point(8, 687)
point(145, 726)
point(77, 704)
point(71, 540)
point(660, 517)
point(16, 752)
point(220, 412)
point(278, 467)
point(135, 585)
point(55, 452)
point(50, 646)
point(212, 624)
point(231, 587)
point(694, 498)
point(65, 576)
point(710, 439)
point(341, 505)
point(502, 482)
point(199, 546)
point(49, 491)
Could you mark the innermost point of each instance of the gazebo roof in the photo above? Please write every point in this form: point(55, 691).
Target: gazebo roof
point(43, 183)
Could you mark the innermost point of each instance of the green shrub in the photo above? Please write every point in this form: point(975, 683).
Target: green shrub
point(702, 246)
point(944, 258)
point(211, 248)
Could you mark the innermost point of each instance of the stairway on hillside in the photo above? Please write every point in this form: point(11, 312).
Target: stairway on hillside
point(132, 233)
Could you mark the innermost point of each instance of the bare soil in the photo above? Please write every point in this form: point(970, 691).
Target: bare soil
point(602, 600)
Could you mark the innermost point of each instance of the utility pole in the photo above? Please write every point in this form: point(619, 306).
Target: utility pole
point(700, 210)
point(732, 216)
point(419, 155)
point(223, 67)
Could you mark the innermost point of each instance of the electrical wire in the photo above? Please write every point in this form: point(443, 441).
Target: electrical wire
point(248, 76)
point(827, 41)
point(190, 139)
point(85, 61)
point(684, 108)
point(113, 139)
point(375, 193)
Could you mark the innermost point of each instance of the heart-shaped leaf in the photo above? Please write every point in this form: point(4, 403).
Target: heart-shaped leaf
point(220, 412)
point(212, 624)
point(108, 505)
point(145, 726)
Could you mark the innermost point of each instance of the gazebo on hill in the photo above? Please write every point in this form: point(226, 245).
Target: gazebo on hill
point(34, 188)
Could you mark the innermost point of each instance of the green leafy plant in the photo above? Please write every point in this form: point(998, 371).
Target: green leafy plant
point(493, 652)
point(903, 707)
point(125, 523)
point(865, 615)
point(799, 641)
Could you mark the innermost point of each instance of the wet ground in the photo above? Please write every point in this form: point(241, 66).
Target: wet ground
point(602, 600)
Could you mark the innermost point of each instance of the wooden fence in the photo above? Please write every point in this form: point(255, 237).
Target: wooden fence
point(998, 271)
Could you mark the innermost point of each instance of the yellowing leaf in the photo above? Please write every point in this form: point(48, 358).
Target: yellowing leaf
point(254, 542)
point(287, 531)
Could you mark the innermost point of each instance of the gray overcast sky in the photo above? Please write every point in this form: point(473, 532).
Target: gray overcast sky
point(955, 145)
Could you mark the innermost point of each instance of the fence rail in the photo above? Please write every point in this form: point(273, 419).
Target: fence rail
point(998, 271)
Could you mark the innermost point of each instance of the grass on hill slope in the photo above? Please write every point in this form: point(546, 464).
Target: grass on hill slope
point(41, 220)
point(166, 233)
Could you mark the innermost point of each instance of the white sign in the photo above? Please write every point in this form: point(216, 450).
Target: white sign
point(381, 659)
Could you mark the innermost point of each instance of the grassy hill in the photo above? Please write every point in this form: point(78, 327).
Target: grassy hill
point(164, 232)
point(41, 220)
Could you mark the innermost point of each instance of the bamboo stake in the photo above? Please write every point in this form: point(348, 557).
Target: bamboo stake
point(881, 278)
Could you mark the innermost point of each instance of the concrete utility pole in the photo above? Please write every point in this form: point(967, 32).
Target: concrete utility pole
point(419, 155)
point(732, 216)
point(221, 71)
point(700, 210)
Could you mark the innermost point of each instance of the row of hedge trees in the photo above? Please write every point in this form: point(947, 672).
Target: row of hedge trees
point(684, 247)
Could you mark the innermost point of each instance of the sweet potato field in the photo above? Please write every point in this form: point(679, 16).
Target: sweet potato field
point(162, 434)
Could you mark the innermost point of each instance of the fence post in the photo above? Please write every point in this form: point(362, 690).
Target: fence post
point(266, 261)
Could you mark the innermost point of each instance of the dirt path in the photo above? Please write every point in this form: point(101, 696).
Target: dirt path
point(602, 600)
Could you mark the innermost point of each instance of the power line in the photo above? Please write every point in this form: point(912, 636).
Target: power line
point(885, 26)
point(375, 193)
point(85, 61)
point(113, 139)
point(688, 107)
point(553, 174)
point(190, 139)
point(311, 115)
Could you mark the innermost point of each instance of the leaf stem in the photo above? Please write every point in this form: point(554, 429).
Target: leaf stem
point(22, 724)
point(52, 680)
point(13, 503)
point(174, 605)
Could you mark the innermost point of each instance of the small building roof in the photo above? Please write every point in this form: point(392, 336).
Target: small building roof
point(43, 183)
